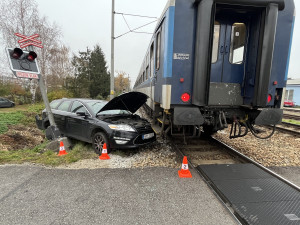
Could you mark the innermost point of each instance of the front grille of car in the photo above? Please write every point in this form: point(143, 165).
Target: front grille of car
point(139, 140)
point(144, 129)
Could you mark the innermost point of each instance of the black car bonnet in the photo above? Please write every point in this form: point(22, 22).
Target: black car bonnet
point(130, 101)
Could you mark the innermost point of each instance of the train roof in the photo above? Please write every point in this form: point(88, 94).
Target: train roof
point(169, 3)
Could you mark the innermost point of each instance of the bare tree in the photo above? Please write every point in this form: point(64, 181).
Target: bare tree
point(17, 16)
point(21, 16)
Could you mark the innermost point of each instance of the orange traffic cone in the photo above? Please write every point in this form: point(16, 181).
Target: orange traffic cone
point(104, 154)
point(62, 150)
point(184, 172)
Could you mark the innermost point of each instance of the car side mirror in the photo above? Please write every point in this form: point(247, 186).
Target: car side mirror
point(81, 114)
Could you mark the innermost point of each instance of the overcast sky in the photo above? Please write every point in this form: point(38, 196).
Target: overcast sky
point(87, 23)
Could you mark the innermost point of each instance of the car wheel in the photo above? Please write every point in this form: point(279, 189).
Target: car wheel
point(98, 140)
point(12, 105)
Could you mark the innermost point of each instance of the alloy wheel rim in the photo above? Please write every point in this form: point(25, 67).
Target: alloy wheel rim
point(99, 141)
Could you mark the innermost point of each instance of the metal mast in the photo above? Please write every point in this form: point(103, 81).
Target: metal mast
point(112, 69)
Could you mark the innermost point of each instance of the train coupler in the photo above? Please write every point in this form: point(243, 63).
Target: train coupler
point(238, 129)
point(222, 120)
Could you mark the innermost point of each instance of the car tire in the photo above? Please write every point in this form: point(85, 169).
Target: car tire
point(12, 105)
point(98, 140)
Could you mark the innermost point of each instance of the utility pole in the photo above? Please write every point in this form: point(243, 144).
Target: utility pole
point(112, 69)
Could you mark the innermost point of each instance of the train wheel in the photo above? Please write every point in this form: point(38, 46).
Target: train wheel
point(208, 131)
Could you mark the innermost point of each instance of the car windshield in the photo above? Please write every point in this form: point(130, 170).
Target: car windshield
point(114, 112)
point(54, 103)
point(96, 106)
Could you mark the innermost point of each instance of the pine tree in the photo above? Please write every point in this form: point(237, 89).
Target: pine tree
point(91, 76)
point(99, 77)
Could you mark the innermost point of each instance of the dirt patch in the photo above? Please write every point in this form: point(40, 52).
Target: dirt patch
point(20, 137)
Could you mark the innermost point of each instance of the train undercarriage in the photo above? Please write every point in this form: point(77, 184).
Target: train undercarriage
point(197, 121)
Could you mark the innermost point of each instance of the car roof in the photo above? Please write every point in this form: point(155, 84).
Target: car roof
point(80, 99)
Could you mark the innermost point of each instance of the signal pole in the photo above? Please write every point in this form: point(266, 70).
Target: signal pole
point(44, 96)
point(112, 69)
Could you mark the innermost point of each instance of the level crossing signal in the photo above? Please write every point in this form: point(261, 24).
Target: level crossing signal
point(23, 63)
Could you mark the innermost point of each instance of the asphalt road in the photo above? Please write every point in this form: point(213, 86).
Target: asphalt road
point(37, 195)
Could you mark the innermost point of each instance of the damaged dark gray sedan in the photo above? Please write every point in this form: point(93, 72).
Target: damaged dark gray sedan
point(99, 122)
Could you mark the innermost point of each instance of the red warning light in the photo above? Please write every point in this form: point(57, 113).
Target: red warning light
point(269, 98)
point(185, 97)
point(17, 53)
point(31, 56)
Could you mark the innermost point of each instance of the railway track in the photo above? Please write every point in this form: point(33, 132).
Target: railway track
point(293, 114)
point(243, 186)
point(292, 117)
point(292, 110)
point(289, 128)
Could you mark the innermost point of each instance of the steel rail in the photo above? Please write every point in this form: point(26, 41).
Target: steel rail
point(289, 116)
point(291, 125)
point(289, 131)
point(292, 110)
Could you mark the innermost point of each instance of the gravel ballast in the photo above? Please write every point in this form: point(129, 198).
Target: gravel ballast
point(279, 150)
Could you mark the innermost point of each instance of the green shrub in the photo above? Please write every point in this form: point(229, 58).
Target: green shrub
point(59, 94)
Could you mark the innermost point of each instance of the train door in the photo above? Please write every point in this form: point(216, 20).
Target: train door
point(228, 55)
point(230, 43)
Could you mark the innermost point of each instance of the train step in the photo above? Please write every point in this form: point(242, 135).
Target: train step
point(160, 120)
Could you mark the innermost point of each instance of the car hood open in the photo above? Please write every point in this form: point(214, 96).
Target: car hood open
point(130, 101)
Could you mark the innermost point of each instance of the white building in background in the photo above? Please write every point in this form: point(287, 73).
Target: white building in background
point(292, 92)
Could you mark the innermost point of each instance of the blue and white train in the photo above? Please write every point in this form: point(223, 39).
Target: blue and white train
point(211, 63)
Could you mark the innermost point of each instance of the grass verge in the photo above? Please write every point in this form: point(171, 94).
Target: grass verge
point(47, 157)
point(292, 121)
point(9, 119)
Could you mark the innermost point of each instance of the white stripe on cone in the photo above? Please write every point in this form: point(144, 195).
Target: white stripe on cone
point(104, 150)
point(61, 148)
point(185, 166)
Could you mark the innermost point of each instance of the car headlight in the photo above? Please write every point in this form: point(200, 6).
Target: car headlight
point(121, 127)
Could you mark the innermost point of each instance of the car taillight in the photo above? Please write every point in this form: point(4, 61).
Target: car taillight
point(269, 98)
point(185, 97)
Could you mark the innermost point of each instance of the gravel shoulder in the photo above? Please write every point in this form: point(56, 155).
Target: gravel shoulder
point(158, 154)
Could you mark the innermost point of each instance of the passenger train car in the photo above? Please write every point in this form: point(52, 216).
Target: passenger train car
point(211, 63)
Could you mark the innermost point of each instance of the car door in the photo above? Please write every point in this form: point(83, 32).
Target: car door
point(60, 115)
point(77, 126)
point(5, 102)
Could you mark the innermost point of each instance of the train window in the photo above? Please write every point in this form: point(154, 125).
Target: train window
point(147, 72)
point(289, 95)
point(237, 46)
point(157, 55)
point(151, 59)
point(215, 49)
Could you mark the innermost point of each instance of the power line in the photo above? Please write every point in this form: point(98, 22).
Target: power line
point(126, 22)
point(133, 30)
point(126, 14)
